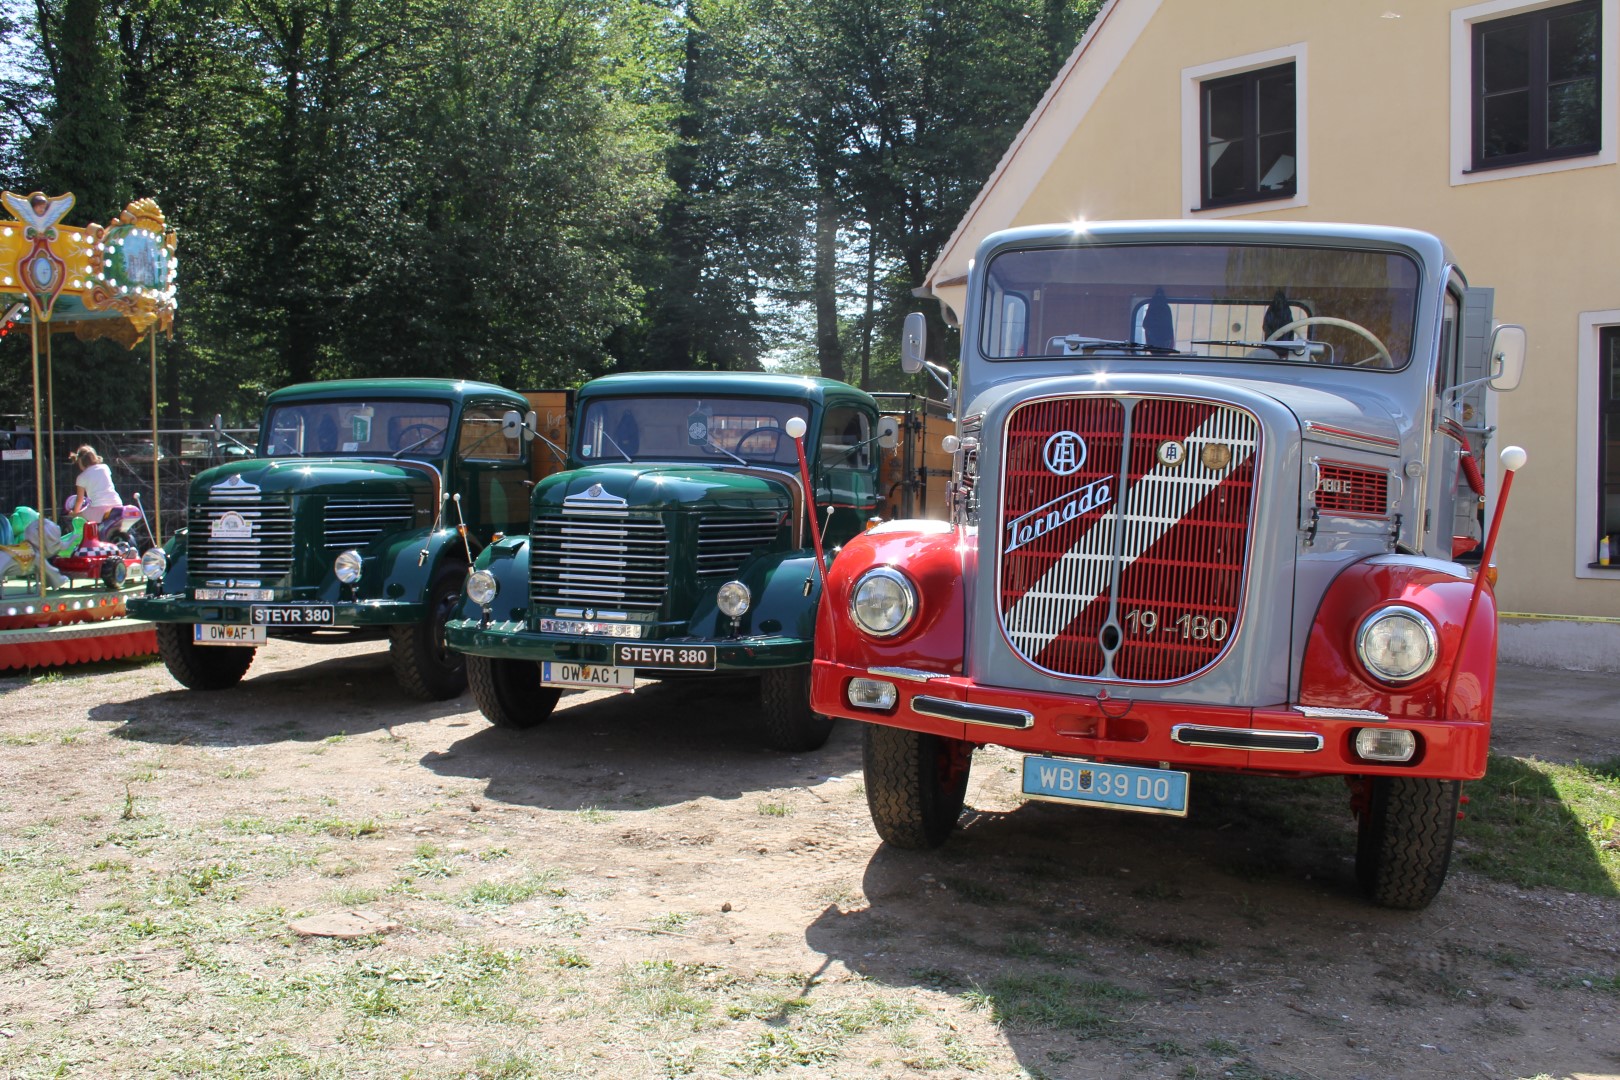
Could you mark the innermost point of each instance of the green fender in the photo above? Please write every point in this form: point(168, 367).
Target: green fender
point(508, 560)
point(780, 607)
point(407, 565)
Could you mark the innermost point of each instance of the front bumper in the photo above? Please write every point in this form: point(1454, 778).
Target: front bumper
point(1273, 740)
point(351, 614)
point(514, 641)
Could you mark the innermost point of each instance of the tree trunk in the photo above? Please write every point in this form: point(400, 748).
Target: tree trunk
point(829, 351)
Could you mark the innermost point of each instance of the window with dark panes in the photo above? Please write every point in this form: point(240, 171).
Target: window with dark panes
point(1536, 86)
point(1249, 124)
point(1608, 539)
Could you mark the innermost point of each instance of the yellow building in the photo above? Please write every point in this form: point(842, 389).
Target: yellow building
point(1492, 125)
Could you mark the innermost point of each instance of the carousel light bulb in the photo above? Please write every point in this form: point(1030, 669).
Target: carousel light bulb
point(77, 237)
point(8, 281)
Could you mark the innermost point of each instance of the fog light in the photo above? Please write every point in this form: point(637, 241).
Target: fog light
point(481, 587)
point(153, 564)
point(1385, 744)
point(734, 599)
point(872, 694)
point(346, 567)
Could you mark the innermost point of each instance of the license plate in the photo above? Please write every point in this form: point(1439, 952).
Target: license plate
point(293, 615)
point(229, 634)
point(589, 676)
point(600, 629)
point(1118, 787)
point(665, 657)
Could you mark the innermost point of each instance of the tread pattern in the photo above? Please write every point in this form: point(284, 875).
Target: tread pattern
point(201, 667)
point(1403, 843)
point(915, 784)
point(416, 651)
point(784, 705)
point(508, 692)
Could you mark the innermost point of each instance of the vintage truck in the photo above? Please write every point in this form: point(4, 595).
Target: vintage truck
point(1212, 481)
point(358, 516)
point(680, 542)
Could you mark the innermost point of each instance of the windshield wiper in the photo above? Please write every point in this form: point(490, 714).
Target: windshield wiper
point(616, 446)
point(739, 459)
point(1086, 345)
point(1299, 346)
point(429, 437)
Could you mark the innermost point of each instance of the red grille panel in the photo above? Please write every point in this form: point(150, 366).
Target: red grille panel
point(1170, 542)
point(1351, 490)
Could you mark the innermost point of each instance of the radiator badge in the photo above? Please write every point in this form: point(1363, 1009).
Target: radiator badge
point(1059, 511)
point(1065, 452)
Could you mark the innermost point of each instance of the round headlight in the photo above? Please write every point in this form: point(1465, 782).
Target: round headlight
point(734, 599)
point(153, 564)
point(346, 567)
point(883, 601)
point(481, 587)
point(1397, 644)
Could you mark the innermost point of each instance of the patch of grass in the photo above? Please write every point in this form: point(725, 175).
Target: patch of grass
point(1190, 945)
point(1029, 947)
point(773, 1051)
point(569, 958)
point(774, 809)
point(592, 815)
point(239, 772)
point(669, 992)
point(22, 738)
point(504, 893)
point(494, 853)
point(70, 736)
point(428, 862)
point(669, 921)
point(346, 829)
point(1083, 1006)
point(976, 891)
point(1538, 824)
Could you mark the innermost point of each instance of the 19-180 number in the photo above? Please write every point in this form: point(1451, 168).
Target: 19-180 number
point(1186, 627)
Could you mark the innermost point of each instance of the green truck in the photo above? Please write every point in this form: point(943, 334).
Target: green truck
point(357, 516)
point(679, 541)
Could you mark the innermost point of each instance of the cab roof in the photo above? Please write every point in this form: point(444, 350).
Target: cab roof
point(812, 389)
point(380, 389)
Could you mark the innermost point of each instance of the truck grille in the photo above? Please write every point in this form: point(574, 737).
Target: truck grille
point(265, 552)
point(354, 523)
point(726, 541)
point(600, 559)
point(1124, 533)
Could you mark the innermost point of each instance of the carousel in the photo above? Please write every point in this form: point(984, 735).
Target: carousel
point(63, 578)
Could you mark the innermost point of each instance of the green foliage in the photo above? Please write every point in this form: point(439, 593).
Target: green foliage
point(1542, 825)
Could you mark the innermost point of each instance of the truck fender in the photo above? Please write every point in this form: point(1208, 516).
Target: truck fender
point(935, 558)
point(410, 564)
point(174, 573)
point(1333, 676)
point(508, 560)
point(776, 584)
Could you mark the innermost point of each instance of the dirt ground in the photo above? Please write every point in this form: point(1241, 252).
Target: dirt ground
point(154, 844)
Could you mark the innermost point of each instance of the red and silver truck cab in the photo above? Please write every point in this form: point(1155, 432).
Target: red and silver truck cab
point(1214, 509)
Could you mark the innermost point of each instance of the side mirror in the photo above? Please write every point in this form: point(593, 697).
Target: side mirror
point(219, 424)
point(531, 424)
point(1508, 345)
point(914, 343)
point(511, 424)
point(888, 435)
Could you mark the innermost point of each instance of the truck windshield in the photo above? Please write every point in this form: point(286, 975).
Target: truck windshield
point(359, 428)
point(727, 429)
point(1249, 302)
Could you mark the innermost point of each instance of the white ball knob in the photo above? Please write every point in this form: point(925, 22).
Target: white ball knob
point(795, 427)
point(1513, 458)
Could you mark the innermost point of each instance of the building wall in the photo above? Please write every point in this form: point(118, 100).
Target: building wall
point(1377, 132)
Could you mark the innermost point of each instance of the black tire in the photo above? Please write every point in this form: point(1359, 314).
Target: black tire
point(508, 692)
point(1403, 840)
point(201, 667)
point(424, 665)
point(784, 707)
point(113, 572)
point(915, 784)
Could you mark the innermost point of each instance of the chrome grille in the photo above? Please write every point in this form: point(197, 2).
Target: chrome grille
point(354, 523)
point(726, 541)
point(265, 553)
point(600, 559)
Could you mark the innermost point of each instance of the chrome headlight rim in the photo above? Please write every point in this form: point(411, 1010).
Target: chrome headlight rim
point(346, 567)
point(908, 601)
point(1378, 671)
point(734, 599)
point(481, 588)
point(154, 564)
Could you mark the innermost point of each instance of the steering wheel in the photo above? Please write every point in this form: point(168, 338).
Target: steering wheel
point(411, 434)
point(1345, 324)
point(774, 432)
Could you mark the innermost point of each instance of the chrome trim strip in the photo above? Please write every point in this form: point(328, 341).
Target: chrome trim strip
point(1361, 440)
point(966, 713)
point(909, 674)
point(1282, 742)
point(1318, 712)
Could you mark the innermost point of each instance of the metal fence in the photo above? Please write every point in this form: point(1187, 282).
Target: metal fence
point(181, 454)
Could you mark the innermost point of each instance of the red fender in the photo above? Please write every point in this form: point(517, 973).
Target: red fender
point(1334, 677)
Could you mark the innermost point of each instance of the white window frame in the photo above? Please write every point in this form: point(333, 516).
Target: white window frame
point(1462, 93)
point(1192, 80)
point(1588, 430)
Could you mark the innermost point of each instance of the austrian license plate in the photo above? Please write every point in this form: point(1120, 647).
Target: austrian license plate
point(293, 615)
point(1117, 787)
point(598, 629)
point(665, 657)
point(589, 676)
point(229, 634)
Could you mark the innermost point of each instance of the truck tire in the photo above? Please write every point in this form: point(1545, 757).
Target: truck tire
point(784, 706)
point(1403, 840)
point(423, 664)
point(508, 692)
point(915, 784)
point(201, 667)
